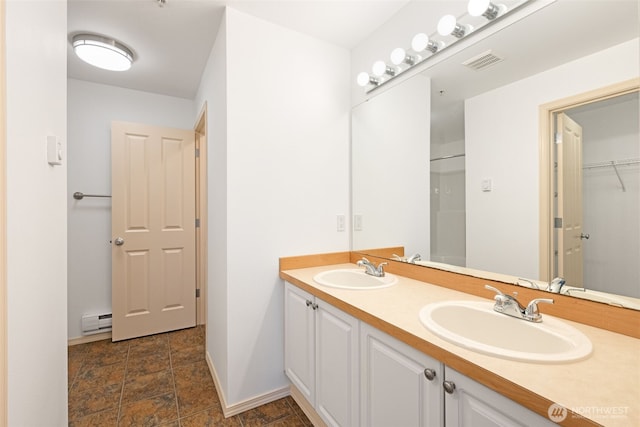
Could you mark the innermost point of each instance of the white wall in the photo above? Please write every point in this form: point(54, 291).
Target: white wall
point(390, 168)
point(36, 42)
point(213, 93)
point(502, 144)
point(610, 214)
point(286, 141)
point(91, 107)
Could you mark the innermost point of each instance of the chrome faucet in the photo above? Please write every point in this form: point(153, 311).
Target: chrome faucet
point(506, 304)
point(413, 258)
point(371, 269)
point(556, 285)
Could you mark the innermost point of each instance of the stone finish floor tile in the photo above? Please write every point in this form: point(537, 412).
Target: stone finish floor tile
point(100, 376)
point(154, 411)
point(149, 385)
point(212, 417)
point(86, 402)
point(187, 355)
point(108, 418)
point(267, 414)
point(160, 380)
point(192, 374)
point(148, 363)
point(195, 398)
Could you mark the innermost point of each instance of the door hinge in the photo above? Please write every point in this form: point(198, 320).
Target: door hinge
point(557, 138)
point(197, 152)
point(557, 222)
point(197, 222)
point(197, 293)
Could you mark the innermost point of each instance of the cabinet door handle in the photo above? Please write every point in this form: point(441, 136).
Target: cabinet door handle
point(314, 306)
point(309, 303)
point(449, 386)
point(430, 374)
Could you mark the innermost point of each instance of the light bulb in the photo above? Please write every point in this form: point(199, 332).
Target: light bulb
point(363, 79)
point(398, 55)
point(485, 8)
point(420, 42)
point(446, 25)
point(478, 7)
point(379, 68)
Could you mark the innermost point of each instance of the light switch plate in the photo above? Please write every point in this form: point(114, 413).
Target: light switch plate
point(54, 151)
point(357, 222)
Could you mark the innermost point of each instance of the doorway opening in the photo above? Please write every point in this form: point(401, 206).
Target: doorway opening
point(605, 237)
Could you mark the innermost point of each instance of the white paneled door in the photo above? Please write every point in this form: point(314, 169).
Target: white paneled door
point(153, 229)
point(570, 256)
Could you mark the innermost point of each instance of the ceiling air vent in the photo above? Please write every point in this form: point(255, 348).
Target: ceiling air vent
point(482, 61)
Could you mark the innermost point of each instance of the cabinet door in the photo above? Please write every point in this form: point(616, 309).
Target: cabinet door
point(337, 379)
point(473, 405)
point(299, 332)
point(395, 390)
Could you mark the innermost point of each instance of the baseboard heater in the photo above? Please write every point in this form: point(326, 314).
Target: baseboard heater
point(96, 323)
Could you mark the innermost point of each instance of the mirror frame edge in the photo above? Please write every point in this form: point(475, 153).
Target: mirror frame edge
point(545, 134)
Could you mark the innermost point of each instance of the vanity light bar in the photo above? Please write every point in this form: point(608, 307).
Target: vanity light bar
point(423, 46)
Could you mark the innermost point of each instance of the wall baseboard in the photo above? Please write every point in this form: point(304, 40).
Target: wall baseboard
point(231, 410)
point(89, 338)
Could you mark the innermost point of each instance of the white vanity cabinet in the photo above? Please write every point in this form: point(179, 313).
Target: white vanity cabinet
point(470, 404)
point(353, 374)
point(322, 357)
point(401, 386)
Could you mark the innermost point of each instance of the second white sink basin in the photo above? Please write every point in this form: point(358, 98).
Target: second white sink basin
point(353, 278)
point(474, 325)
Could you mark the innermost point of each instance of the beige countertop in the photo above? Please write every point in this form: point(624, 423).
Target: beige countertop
point(604, 388)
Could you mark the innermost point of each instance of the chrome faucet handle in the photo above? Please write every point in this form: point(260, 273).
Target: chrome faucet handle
point(364, 263)
point(532, 313)
point(496, 290)
point(500, 298)
point(380, 269)
point(531, 282)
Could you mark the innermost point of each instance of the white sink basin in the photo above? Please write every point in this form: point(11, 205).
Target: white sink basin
point(474, 325)
point(353, 278)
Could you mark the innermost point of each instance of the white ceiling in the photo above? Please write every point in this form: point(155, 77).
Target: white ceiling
point(171, 44)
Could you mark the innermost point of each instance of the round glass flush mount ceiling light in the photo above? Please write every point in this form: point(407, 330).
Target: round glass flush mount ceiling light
point(102, 52)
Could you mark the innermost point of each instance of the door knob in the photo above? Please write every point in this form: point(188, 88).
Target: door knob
point(119, 241)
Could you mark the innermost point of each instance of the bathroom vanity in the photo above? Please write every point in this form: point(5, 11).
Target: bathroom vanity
point(363, 358)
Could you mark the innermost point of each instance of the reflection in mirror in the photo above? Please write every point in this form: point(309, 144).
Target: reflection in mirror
point(390, 167)
point(597, 170)
point(496, 112)
point(447, 203)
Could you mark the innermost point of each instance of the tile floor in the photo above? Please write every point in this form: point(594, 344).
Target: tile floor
point(160, 380)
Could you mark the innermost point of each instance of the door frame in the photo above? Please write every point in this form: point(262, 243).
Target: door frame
point(200, 130)
point(546, 135)
point(3, 226)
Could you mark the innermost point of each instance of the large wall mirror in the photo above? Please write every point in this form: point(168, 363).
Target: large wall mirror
point(447, 164)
